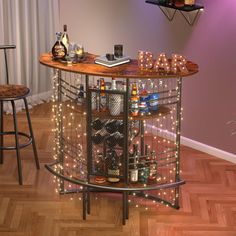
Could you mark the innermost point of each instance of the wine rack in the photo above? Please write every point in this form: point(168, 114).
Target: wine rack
point(106, 146)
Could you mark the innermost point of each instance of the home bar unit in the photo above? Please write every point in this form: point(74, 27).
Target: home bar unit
point(117, 130)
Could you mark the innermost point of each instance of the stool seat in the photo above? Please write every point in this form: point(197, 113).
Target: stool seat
point(13, 92)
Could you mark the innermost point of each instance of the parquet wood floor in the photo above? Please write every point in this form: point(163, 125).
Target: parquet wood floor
point(208, 200)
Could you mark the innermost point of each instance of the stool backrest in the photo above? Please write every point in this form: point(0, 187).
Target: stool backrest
point(5, 48)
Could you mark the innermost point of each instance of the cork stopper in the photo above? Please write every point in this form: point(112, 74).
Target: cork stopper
point(65, 28)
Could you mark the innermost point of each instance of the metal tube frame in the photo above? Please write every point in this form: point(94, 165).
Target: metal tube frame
point(126, 190)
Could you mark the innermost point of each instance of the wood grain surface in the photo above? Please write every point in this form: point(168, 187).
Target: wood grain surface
point(208, 199)
point(13, 91)
point(129, 70)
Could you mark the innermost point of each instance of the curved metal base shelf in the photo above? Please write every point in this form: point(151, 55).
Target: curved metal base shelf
point(118, 188)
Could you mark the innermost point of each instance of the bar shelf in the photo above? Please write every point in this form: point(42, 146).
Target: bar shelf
point(149, 144)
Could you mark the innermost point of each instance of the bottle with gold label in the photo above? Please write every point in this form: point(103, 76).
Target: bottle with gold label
point(113, 168)
point(59, 50)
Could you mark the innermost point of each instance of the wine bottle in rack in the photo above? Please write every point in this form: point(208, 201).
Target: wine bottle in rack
point(100, 136)
point(113, 139)
point(112, 126)
point(133, 168)
point(121, 127)
point(121, 140)
point(113, 168)
point(98, 124)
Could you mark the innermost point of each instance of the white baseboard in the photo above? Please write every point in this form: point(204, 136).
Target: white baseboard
point(208, 149)
point(201, 146)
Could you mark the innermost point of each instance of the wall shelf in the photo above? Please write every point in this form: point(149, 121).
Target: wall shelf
point(169, 10)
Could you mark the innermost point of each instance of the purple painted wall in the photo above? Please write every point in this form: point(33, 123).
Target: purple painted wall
point(209, 99)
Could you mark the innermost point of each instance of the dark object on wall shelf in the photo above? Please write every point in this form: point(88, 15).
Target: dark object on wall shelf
point(185, 10)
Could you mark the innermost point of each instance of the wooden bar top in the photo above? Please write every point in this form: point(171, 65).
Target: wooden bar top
point(129, 70)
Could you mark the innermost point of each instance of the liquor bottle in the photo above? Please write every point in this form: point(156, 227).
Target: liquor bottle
point(144, 171)
point(115, 101)
point(121, 140)
point(113, 167)
point(112, 126)
point(189, 2)
point(65, 37)
point(97, 124)
point(133, 171)
point(103, 97)
point(112, 139)
point(100, 136)
point(153, 166)
point(134, 100)
point(121, 127)
point(81, 95)
point(59, 50)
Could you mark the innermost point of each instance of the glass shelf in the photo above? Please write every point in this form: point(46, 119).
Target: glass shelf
point(183, 10)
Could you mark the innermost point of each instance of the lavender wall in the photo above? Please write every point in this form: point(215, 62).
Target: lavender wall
point(209, 97)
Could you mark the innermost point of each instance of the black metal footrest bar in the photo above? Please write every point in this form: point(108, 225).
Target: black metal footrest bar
point(86, 183)
point(23, 145)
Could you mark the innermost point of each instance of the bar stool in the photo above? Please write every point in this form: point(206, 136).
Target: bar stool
point(11, 93)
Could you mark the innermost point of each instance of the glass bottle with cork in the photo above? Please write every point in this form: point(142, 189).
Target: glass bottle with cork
point(113, 168)
point(65, 38)
point(59, 50)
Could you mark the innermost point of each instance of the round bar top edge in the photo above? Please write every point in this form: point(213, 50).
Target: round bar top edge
point(128, 70)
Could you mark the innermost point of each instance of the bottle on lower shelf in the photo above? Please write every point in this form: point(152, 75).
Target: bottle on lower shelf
point(113, 168)
point(133, 168)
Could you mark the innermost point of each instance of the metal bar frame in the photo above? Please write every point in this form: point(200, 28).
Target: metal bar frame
point(88, 187)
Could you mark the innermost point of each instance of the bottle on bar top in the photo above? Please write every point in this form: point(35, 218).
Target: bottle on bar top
point(103, 97)
point(59, 50)
point(133, 170)
point(65, 38)
point(113, 167)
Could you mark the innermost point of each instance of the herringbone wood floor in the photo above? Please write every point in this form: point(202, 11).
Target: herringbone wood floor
point(208, 200)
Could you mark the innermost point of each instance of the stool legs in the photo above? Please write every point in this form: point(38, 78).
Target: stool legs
point(31, 134)
point(1, 131)
point(17, 143)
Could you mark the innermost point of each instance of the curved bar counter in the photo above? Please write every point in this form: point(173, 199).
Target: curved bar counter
point(80, 161)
